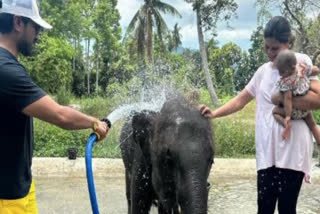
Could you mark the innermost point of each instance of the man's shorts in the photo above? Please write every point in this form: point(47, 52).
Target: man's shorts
point(26, 205)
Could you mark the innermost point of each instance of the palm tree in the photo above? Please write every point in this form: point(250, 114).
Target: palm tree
point(204, 58)
point(142, 25)
point(208, 14)
point(176, 36)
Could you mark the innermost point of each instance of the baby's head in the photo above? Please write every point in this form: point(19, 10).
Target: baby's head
point(286, 62)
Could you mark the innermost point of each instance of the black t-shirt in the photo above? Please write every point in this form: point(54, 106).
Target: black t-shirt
point(17, 91)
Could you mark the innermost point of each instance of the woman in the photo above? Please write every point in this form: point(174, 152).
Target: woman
point(281, 164)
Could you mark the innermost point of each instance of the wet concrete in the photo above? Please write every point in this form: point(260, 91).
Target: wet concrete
point(229, 194)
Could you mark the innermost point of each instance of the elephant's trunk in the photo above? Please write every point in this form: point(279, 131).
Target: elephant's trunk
point(194, 197)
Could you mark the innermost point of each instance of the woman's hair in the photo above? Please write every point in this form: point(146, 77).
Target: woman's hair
point(6, 22)
point(279, 28)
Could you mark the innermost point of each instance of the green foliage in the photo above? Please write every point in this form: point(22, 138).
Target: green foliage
point(234, 135)
point(316, 116)
point(252, 61)
point(78, 76)
point(63, 61)
point(145, 22)
point(65, 17)
point(64, 96)
point(225, 62)
point(98, 106)
point(51, 141)
point(51, 67)
point(211, 12)
point(303, 17)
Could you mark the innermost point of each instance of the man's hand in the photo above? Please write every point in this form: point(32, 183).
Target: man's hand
point(100, 128)
point(206, 111)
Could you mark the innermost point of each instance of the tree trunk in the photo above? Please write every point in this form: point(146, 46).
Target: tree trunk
point(150, 39)
point(74, 56)
point(88, 65)
point(315, 57)
point(204, 60)
point(97, 73)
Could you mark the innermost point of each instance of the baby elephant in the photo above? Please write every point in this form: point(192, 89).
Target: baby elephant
point(167, 157)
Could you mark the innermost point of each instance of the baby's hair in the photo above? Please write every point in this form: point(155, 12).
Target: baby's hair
point(286, 62)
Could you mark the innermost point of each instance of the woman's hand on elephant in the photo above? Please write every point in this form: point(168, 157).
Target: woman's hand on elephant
point(206, 111)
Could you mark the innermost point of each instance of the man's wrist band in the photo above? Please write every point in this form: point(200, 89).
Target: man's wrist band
point(95, 125)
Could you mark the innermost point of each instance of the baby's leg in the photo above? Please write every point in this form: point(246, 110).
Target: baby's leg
point(279, 115)
point(313, 127)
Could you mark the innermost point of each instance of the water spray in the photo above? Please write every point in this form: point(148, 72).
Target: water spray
point(150, 100)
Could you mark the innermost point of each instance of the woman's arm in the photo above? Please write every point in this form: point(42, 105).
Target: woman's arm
point(310, 101)
point(234, 105)
point(314, 71)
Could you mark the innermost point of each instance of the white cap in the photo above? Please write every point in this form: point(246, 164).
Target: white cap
point(25, 8)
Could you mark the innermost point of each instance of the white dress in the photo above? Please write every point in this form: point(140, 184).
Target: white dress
point(271, 149)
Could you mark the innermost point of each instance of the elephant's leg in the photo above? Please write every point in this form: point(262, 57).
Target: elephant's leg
point(162, 210)
point(141, 191)
point(176, 209)
point(128, 186)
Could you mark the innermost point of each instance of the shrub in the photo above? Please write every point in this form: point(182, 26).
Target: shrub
point(64, 96)
point(234, 134)
point(316, 116)
point(98, 106)
point(51, 141)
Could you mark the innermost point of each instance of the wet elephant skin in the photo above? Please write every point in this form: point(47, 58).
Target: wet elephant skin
point(167, 157)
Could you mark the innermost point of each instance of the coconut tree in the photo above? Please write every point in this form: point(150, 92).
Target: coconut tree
point(147, 20)
point(208, 13)
point(176, 36)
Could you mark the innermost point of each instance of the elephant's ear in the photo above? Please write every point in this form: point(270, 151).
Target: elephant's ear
point(142, 130)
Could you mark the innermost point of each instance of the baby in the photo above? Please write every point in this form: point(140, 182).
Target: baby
point(294, 82)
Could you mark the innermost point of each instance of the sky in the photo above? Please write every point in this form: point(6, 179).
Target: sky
point(240, 33)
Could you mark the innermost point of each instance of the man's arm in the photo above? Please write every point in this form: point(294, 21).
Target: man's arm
point(310, 101)
point(48, 110)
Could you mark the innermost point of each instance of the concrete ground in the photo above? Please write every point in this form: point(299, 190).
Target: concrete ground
point(62, 189)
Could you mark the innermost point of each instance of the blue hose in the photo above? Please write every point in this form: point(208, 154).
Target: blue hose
point(92, 190)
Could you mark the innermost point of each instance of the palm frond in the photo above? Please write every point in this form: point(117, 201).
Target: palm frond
point(140, 37)
point(166, 8)
point(133, 23)
point(161, 25)
point(135, 20)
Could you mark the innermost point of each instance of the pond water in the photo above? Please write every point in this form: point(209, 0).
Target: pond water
point(228, 195)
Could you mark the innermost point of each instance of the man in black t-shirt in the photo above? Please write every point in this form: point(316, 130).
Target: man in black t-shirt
point(21, 100)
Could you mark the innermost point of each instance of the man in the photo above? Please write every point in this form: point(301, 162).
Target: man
point(21, 100)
